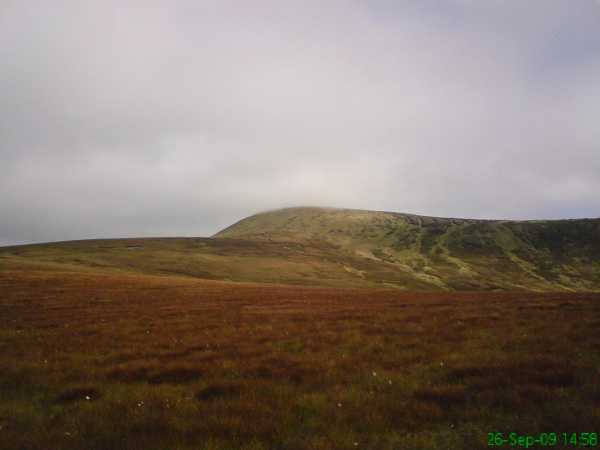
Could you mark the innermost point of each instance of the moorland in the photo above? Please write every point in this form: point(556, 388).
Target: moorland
point(303, 329)
point(351, 248)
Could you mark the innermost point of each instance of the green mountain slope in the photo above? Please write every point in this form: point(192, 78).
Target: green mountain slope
point(446, 253)
point(315, 263)
point(336, 247)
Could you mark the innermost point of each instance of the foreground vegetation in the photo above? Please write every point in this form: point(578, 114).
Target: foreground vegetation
point(114, 360)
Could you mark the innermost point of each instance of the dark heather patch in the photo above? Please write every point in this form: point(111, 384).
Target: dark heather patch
point(78, 394)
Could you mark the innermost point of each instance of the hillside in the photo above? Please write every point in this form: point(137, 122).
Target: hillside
point(447, 253)
point(335, 247)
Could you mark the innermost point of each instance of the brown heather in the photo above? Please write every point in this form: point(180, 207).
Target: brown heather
point(109, 361)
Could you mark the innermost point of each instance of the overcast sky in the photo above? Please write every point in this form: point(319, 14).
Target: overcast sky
point(177, 118)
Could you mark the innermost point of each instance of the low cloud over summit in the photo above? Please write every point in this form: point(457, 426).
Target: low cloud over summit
point(177, 118)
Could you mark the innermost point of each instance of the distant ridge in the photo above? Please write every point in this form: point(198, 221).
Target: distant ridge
point(451, 253)
point(396, 213)
point(349, 248)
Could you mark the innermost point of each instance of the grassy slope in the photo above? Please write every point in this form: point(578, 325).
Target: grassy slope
point(114, 361)
point(447, 253)
point(218, 259)
point(332, 247)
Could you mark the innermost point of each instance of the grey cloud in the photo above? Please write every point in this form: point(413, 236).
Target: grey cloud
point(177, 118)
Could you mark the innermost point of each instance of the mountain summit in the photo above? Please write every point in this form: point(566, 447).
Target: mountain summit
point(445, 252)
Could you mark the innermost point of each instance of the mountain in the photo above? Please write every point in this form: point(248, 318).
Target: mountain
point(447, 253)
point(343, 247)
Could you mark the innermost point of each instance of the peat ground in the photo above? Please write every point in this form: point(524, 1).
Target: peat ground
point(101, 361)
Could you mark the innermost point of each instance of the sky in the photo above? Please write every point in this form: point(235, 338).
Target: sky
point(176, 118)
